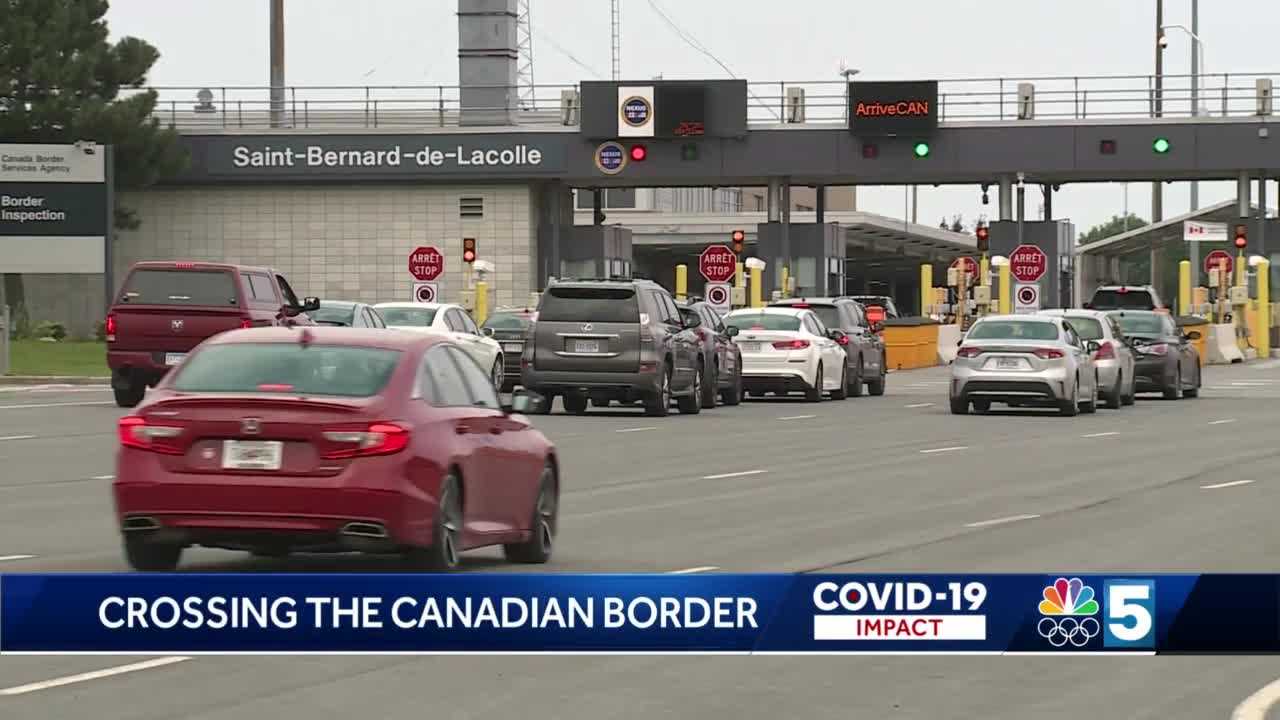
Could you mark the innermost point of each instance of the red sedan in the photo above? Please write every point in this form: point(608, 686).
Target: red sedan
point(274, 440)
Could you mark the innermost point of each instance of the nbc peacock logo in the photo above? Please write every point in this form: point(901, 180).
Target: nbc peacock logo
point(1068, 608)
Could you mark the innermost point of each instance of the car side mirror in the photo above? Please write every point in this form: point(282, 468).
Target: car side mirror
point(731, 331)
point(486, 331)
point(524, 403)
point(1092, 346)
point(1194, 335)
point(959, 342)
point(1086, 306)
point(310, 304)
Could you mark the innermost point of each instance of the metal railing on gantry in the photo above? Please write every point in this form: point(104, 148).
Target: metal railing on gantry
point(965, 100)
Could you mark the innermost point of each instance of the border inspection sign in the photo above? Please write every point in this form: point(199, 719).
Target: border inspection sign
point(1026, 299)
point(719, 295)
point(425, 292)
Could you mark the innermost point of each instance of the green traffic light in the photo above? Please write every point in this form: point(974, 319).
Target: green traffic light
point(921, 149)
point(1161, 145)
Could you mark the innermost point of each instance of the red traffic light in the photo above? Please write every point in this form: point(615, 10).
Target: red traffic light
point(739, 237)
point(639, 153)
point(1242, 237)
point(982, 232)
point(468, 250)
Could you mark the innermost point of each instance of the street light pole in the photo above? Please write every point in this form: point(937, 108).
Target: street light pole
point(1157, 205)
point(1198, 55)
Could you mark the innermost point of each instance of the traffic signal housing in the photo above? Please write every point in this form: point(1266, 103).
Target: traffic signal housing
point(468, 250)
point(1242, 237)
point(639, 153)
point(739, 237)
point(984, 236)
point(921, 149)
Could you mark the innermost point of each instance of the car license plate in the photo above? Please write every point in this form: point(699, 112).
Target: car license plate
point(1008, 363)
point(750, 347)
point(512, 347)
point(586, 346)
point(172, 359)
point(252, 454)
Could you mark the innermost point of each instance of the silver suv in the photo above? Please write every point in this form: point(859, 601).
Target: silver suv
point(596, 341)
point(1124, 297)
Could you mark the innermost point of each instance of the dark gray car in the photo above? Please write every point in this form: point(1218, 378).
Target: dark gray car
point(1164, 359)
point(864, 350)
point(721, 356)
point(510, 327)
point(604, 340)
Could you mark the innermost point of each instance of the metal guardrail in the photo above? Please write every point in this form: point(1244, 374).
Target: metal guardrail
point(961, 100)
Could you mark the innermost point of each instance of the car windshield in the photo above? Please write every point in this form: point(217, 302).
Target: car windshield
point(1116, 300)
point(590, 304)
point(507, 321)
point(1086, 327)
point(1144, 323)
point(1013, 330)
point(408, 316)
point(334, 314)
point(297, 369)
point(762, 321)
point(180, 287)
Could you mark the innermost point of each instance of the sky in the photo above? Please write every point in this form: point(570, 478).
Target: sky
point(414, 42)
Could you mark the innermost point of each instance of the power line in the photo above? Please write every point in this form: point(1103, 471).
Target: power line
point(571, 57)
point(691, 42)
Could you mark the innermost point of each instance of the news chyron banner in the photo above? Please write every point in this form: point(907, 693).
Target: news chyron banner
point(194, 614)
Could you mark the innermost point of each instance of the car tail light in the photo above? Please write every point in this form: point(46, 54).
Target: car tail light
point(246, 323)
point(968, 352)
point(1123, 291)
point(136, 432)
point(184, 265)
point(1048, 354)
point(791, 344)
point(799, 305)
point(1105, 352)
point(274, 387)
point(702, 335)
point(110, 329)
point(380, 438)
point(1156, 349)
point(843, 340)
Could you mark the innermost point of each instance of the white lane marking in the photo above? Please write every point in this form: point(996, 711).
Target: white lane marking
point(692, 570)
point(639, 429)
point(95, 675)
point(944, 449)
point(798, 417)
point(744, 473)
point(1222, 422)
point(1001, 521)
point(32, 406)
point(1255, 706)
point(11, 558)
point(919, 405)
point(18, 437)
point(1233, 483)
point(1100, 434)
point(103, 477)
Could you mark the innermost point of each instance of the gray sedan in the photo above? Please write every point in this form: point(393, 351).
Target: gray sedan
point(1114, 358)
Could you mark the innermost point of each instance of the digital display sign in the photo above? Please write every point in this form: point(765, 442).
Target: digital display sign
point(893, 108)
point(681, 111)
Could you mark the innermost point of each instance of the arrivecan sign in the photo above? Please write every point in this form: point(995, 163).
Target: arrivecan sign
point(373, 156)
point(54, 208)
point(893, 108)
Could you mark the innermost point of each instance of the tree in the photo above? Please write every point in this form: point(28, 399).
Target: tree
point(61, 81)
point(1116, 225)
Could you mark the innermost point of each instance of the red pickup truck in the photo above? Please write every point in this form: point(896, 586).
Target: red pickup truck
point(165, 309)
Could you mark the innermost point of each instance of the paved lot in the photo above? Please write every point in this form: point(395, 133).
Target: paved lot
point(892, 483)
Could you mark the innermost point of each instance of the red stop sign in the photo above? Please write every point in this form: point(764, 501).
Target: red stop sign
point(1028, 263)
point(1214, 260)
point(969, 264)
point(426, 263)
point(717, 263)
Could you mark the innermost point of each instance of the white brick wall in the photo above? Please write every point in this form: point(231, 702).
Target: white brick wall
point(338, 242)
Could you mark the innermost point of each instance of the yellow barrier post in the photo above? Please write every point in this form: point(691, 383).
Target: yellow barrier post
point(682, 281)
point(739, 277)
point(482, 302)
point(1184, 287)
point(984, 271)
point(1262, 311)
point(786, 282)
point(1006, 290)
point(757, 294)
point(926, 289)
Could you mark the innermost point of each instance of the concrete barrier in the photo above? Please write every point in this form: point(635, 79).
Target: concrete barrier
point(948, 343)
point(910, 343)
point(1222, 348)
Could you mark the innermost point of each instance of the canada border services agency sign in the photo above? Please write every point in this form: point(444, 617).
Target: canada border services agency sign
point(54, 208)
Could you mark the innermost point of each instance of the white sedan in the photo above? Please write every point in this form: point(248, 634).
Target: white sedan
point(788, 350)
point(451, 321)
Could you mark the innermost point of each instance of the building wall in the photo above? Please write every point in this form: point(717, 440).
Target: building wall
point(803, 199)
point(348, 242)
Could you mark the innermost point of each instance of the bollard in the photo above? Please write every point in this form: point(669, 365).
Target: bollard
point(786, 281)
point(4, 339)
point(1006, 290)
point(739, 277)
point(1184, 288)
point(926, 289)
point(482, 302)
point(984, 271)
point(682, 282)
point(1262, 311)
point(757, 295)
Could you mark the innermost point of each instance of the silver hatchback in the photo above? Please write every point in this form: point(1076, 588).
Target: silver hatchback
point(1024, 361)
point(1113, 360)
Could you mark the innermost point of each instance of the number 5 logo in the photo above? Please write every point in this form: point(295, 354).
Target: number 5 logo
point(1131, 611)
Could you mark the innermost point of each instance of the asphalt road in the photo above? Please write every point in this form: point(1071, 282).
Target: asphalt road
point(893, 483)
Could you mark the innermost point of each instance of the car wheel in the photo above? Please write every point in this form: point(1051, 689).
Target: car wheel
point(131, 393)
point(876, 386)
point(855, 388)
point(1071, 406)
point(1193, 392)
point(959, 406)
point(843, 391)
point(575, 403)
point(150, 556)
point(659, 403)
point(691, 404)
point(445, 532)
point(711, 389)
point(1132, 397)
point(1173, 392)
point(982, 407)
point(548, 399)
point(1090, 406)
point(733, 396)
point(546, 509)
point(814, 393)
point(498, 374)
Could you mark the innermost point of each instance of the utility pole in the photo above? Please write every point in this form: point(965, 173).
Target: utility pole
point(1195, 112)
point(615, 32)
point(277, 63)
point(1157, 204)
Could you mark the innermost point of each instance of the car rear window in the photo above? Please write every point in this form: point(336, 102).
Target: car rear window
point(408, 316)
point(337, 370)
point(334, 314)
point(1013, 330)
point(180, 287)
point(589, 304)
point(763, 321)
point(828, 314)
point(507, 321)
point(1116, 300)
point(1144, 324)
point(1086, 327)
